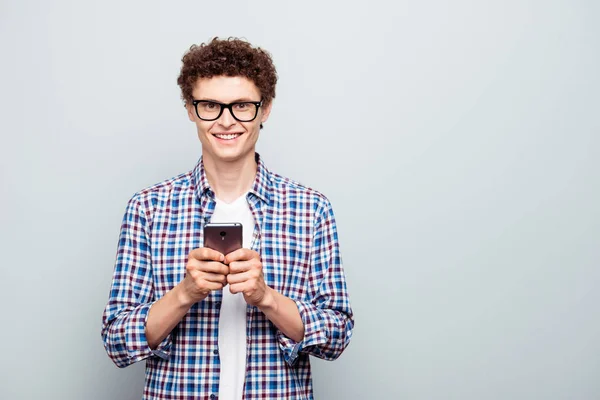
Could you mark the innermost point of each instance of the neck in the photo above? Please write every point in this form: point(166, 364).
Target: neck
point(230, 179)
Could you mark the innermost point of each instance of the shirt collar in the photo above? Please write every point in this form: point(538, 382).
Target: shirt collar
point(261, 188)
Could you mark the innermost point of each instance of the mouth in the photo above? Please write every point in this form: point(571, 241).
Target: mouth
point(227, 136)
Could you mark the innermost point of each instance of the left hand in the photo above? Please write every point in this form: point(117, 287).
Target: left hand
point(246, 276)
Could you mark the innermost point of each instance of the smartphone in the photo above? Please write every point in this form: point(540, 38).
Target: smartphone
point(224, 238)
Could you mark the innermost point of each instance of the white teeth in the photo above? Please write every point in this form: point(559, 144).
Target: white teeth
point(228, 137)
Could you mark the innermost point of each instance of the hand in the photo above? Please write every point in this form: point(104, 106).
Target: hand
point(246, 276)
point(205, 272)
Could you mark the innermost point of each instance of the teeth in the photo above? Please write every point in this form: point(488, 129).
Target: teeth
point(228, 137)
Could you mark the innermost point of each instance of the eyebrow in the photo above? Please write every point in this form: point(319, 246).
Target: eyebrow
point(240, 100)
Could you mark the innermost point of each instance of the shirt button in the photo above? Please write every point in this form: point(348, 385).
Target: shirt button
point(215, 352)
point(217, 304)
point(212, 396)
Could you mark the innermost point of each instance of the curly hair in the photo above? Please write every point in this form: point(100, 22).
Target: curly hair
point(227, 57)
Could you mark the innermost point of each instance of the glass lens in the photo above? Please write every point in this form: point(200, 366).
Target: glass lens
point(208, 109)
point(244, 111)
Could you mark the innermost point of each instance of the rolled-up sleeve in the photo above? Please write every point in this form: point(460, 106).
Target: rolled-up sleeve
point(326, 311)
point(131, 294)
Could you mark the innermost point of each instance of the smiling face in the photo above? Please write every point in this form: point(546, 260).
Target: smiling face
point(227, 139)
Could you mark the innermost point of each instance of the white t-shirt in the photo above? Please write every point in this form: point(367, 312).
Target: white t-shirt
point(232, 319)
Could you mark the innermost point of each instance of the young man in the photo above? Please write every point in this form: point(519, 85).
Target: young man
point(237, 325)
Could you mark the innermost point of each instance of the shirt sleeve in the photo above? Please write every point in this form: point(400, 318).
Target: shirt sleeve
point(326, 312)
point(131, 294)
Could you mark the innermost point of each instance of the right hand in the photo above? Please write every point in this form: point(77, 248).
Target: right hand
point(205, 272)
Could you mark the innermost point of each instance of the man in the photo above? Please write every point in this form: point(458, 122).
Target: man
point(237, 325)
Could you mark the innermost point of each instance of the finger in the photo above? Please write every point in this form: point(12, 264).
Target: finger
point(243, 266)
point(240, 255)
point(207, 266)
point(206, 254)
point(213, 285)
point(237, 288)
point(210, 277)
point(214, 267)
point(239, 278)
point(238, 267)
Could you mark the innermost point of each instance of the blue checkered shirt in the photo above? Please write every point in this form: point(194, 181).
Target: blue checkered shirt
point(296, 237)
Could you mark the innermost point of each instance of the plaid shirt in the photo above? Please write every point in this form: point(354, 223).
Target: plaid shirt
point(296, 237)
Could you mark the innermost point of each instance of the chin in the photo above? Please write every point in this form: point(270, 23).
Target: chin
point(231, 155)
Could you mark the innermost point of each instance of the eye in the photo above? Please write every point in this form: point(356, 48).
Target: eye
point(242, 106)
point(210, 106)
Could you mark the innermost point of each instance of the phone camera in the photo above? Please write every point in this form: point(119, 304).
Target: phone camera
point(223, 233)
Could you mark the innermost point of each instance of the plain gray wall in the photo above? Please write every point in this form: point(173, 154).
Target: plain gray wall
point(458, 142)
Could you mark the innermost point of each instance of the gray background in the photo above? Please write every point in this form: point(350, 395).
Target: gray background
point(458, 142)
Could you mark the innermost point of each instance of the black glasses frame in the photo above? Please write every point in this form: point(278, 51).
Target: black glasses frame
point(224, 106)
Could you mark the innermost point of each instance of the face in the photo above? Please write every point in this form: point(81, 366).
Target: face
point(227, 139)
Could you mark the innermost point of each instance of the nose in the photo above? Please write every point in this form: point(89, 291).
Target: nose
point(226, 120)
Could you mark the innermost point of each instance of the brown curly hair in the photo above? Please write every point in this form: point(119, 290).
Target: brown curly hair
point(227, 57)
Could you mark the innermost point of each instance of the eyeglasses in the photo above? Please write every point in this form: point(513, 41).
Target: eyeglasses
point(243, 111)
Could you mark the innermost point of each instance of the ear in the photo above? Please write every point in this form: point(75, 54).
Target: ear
point(191, 112)
point(266, 111)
